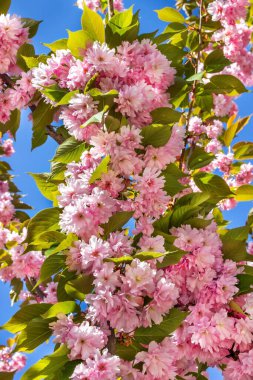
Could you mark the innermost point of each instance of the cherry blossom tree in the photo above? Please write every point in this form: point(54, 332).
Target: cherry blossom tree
point(133, 271)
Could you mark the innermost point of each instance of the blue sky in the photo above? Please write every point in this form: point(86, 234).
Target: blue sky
point(57, 16)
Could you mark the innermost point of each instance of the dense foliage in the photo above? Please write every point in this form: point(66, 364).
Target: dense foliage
point(133, 270)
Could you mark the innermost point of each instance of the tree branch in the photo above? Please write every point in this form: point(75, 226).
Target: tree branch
point(49, 128)
point(111, 344)
point(56, 136)
point(194, 86)
point(110, 9)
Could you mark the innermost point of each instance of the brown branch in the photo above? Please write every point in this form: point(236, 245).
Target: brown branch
point(110, 9)
point(49, 128)
point(194, 86)
point(56, 136)
point(36, 291)
point(111, 344)
point(7, 80)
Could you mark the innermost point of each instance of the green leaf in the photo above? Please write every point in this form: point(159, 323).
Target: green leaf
point(243, 150)
point(181, 214)
point(36, 332)
point(127, 352)
point(170, 15)
point(45, 220)
point(93, 24)
point(26, 50)
point(100, 169)
point(172, 186)
point(196, 77)
point(47, 188)
point(7, 375)
point(144, 256)
point(245, 283)
point(238, 233)
point(233, 249)
point(4, 6)
point(244, 193)
point(33, 26)
point(47, 365)
point(57, 45)
point(66, 98)
point(213, 184)
point(70, 150)
point(26, 313)
point(199, 158)
point(231, 132)
point(79, 287)
point(156, 135)
point(77, 42)
point(215, 61)
point(54, 93)
point(13, 124)
point(97, 118)
point(42, 116)
point(30, 61)
point(65, 307)
point(64, 244)
point(123, 26)
point(158, 332)
point(117, 221)
point(171, 258)
point(52, 265)
point(225, 84)
point(119, 260)
point(165, 115)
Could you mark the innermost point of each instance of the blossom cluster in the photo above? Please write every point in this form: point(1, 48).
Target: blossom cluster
point(132, 69)
point(12, 36)
point(235, 35)
point(11, 361)
point(99, 5)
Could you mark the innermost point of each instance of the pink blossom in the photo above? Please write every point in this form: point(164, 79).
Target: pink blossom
point(84, 340)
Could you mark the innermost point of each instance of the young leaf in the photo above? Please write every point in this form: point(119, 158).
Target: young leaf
point(244, 193)
point(57, 45)
point(100, 169)
point(93, 24)
point(65, 307)
point(77, 42)
point(170, 15)
point(243, 150)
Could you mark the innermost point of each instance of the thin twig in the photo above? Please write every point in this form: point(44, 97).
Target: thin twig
point(194, 87)
point(49, 128)
point(110, 9)
point(36, 291)
point(111, 344)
